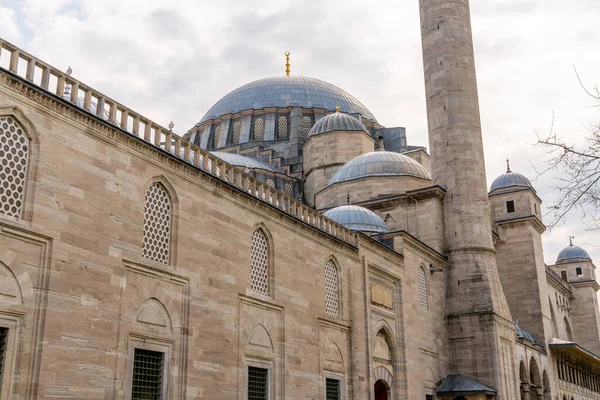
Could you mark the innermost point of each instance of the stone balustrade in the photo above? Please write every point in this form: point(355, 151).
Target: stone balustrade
point(61, 84)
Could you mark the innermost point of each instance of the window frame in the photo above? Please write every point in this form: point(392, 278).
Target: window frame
point(423, 270)
point(510, 204)
point(334, 376)
point(145, 343)
point(578, 271)
point(263, 364)
point(13, 324)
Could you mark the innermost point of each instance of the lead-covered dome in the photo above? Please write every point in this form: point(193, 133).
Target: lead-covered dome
point(510, 179)
point(287, 91)
point(357, 218)
point(572, 252)
point(337, 122)
point(238, 160)
point(379, 163)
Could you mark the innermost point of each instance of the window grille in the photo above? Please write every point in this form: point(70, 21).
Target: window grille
point(217, 136)
point(282, 127)
point(288, 189)
point(14, 154)
point(331, 289)
point(157, 224)
point(3, 339)
point(147, 375)
point(307, 123)
point(259, 270)
point(237, 131)
point(259, 128)
point(332, 389)
point(258, 383)
point(423, 289)
point(271, 183)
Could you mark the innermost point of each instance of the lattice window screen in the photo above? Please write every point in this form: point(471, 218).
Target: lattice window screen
point(307, 123)
point(423, 289)
point(157, 224)
point(258, 383)
point(332, 389)
point(288, 189)
point(217, 136)
point(147, 375)
point(282, 127)
point(14, 154)
point(259, 128)
point(3, 339)
point(259, 269)
point(331, 289)
point(237, 131)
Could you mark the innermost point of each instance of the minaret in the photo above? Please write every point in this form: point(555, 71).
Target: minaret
point(479, 321)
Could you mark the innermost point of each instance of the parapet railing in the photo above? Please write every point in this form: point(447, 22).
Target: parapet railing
point(89, 100)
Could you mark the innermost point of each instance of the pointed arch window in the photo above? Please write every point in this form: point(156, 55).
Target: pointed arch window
point(259, 267)
point(423, 299)
point(14, 156)
point(158, 216)
point(331, 289)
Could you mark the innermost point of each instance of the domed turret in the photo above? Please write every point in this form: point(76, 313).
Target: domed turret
point(510, 179)
point(379, 163)
point(337, 122)
point(357, 218)
point(571, 253)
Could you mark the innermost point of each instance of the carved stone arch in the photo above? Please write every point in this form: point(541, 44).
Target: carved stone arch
point(260, 337)
point(10, 290)
point(33, 136)
point(14, 269)
point(334, 354)
point(423, 286)
point(152, 312)
point(429, 376)
point(382, 327)
point(523, 374)
point(159, 293)
point(535, 377)
point(546, 386)
point(381, 374)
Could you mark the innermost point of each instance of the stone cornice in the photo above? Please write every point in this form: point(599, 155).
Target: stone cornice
point(115, 136)
point(533, 219)
point(392, 200)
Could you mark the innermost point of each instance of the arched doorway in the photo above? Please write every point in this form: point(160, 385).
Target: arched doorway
point(381, 390)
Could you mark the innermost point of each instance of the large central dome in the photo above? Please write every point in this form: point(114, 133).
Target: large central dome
point(287, 91)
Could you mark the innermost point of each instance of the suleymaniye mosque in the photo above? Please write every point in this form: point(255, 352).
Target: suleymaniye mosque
point(289, 245)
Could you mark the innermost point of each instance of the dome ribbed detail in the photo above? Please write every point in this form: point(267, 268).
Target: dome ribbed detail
point(572, 252)
point(238, 160)
point(357, 218)
point(509, 179)
point(337, 122)
point(287, 91)
point(379, 163)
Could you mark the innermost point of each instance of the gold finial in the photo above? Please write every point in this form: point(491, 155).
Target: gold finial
point(337, 108)
point(507, 165)
point(287, 63)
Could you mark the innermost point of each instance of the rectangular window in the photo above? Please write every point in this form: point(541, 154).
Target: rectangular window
point(578, 271)
point(510, 206)
point(3, 339)
point(147, 375)
point(563, 275)
point(332, 389)
point(428, 397)
point(258, 383)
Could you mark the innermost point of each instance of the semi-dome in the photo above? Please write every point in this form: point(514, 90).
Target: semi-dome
point(287, 91)
point(238, 160)
point(357, 218)
point(509, 179)
point(337, 121)
point(379, 163)
point(572, 252)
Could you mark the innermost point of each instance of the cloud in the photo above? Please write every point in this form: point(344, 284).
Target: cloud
point(173, 60)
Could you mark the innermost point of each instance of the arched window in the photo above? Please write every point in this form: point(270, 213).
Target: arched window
point(14, 155)
point(307, 123)
point(331, 289)
point(217, 136)
point(158, 212)
point(423, 289)
point(237, 131)
point(282, 127)
point(259, 266)
point(259, 129)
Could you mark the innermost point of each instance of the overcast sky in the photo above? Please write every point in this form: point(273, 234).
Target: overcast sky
point(173, 60)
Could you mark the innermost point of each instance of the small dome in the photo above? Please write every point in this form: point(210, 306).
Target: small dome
point(521, 334)
point(242, 161)
point(379, 163)
point(572, 252)
point(357, 218)
point(337, 122)
point(509, 179)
